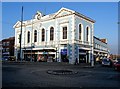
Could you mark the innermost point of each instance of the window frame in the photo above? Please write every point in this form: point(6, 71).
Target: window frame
point(64, 36)
point(87, 33)
point(35, 35)
point(51, 33)
point(43, 35)
point(80, 27)
point(28, 37)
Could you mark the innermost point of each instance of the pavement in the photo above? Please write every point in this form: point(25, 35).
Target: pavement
point(34, 75)
point(49, 63)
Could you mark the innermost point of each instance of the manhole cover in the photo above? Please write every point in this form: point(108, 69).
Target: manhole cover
point(61, 72)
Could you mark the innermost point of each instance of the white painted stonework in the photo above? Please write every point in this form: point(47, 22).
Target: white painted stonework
point(76, 48)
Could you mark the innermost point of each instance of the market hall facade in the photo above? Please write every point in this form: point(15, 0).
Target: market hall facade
point(62, 36)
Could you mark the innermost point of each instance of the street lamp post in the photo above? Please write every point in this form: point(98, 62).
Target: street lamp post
point(31, 38)
point(31, 53)
point(56, 54)
point(21, 34)
point(32, 46)
point(24, 43)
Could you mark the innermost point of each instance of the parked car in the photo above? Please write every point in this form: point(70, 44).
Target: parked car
point(12, 58)
point(106, 62)
point(99, 61)
point(5, 58)
point(8, 58)
point(117, 64)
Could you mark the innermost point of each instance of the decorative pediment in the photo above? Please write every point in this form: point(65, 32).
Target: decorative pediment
point(38, 15)
point(17, 24)
point(64, 12)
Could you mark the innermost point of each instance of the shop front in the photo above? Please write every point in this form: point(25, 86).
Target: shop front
point(83, 56)
point(64, 56)
point(43, 55)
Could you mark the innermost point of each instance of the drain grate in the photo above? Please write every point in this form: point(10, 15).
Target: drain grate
point(61, 72)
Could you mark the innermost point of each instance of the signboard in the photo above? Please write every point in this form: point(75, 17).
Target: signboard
point(6, 53)
point(45, 52)
point(64, 51)
point(81, 53)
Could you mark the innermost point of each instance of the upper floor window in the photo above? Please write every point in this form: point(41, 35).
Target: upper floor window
point(4, 49)
point(51, 33)
point(19, 38)
point(43, 34)
point(4, 43)
point(7, 44)
point(87, 33)
point(28, 37)
point(64, 32)
point(11, 42)
point(80, 30)
point(7, 49)
point(35, 36)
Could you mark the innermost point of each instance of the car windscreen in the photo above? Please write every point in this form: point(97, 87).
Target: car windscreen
point(118, 59)
point(105, 60)
point(118, 62)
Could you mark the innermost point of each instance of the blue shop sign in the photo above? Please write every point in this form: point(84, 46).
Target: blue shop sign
point(63, 51)
point(45, 52)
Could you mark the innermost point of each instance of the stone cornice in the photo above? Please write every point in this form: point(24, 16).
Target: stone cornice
point(84, 17)
point(55, 16)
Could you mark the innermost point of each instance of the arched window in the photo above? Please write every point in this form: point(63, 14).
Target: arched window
point(65, 32)
point(19, 38)
point(87, 33)
point(35, 36)
point(80, 30)
point(51, 33)
point(28, 37)
point(43, 34)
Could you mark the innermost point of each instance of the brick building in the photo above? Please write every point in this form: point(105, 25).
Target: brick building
point(8, 46)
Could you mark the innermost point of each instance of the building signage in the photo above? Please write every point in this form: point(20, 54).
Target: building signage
point(45, 52)
point(6, 53)
point(82, 53)
point(64, 51)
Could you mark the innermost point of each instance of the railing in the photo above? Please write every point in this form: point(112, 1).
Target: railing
point(100, 49)
point(46, 43)
point(50, 43)
point(83, 42)
point(42, 43)
point(63, 42)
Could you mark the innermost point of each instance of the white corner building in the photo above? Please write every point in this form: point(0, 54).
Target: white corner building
point(62, 36)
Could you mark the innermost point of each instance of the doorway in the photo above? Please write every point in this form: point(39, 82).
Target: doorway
point(82, 58)
point(64, 58)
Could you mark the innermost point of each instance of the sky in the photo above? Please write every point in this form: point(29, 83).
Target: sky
point(104, 13)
